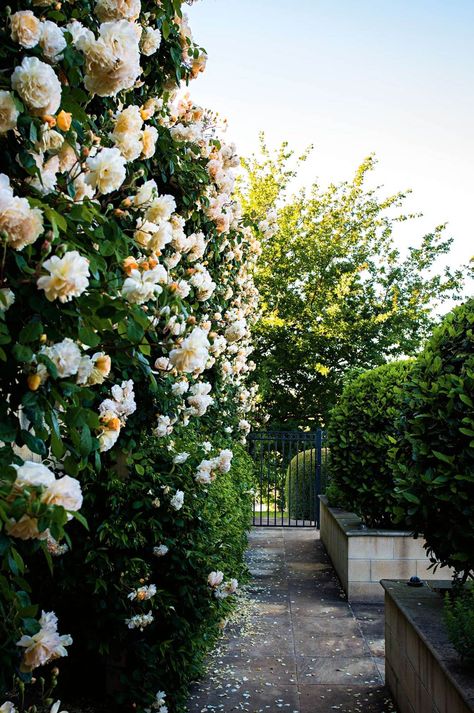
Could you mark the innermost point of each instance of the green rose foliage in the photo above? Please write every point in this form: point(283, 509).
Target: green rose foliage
point(433, 460)
point(361, 433)
point(207, 534)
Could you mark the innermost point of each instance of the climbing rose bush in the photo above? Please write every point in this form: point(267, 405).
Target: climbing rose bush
point(126, 300)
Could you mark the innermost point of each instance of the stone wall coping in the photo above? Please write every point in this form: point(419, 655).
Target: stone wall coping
point(423, 607)
point(352, 525)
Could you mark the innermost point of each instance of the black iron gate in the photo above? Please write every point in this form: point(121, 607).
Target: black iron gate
point(290, 474)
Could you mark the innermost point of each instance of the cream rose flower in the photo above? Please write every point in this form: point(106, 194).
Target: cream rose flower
point(224, 460)
point(52, 41)
point(7, 298)
point(8, 707)
point(149, 139)
point(82, 189)
point(21, 224)
point(129, 121)
point(50, 140)
point(127, 133)
point(159, 551)
point(33, 474)
point(161, 208)
point(163, 426)
point(198, 242)
point(145, 194)
point(122, 403)
point(94, 370)
point(38, 86)
point(26, 28)
point(193, 352)
point(117, 9)
point(45, 183)
point(202, 283)
point(68, 277)
point(65, 355)
point(45, 646)
point(154, 237)
point(106, 170)
point(130, 146)
point(150, 41)
point(215, 578)
point(66, 492)
point(110, 424)
point(26, 528)
point(8, 112)
point(236, 330)
point(68, 159)
point(112, 61)
point(80, 35)
point(177, 500)
point(141, 287)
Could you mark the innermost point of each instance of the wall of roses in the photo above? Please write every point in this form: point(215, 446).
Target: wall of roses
point(126, 299)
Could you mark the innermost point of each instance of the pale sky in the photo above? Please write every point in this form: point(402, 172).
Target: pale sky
point(353, 77)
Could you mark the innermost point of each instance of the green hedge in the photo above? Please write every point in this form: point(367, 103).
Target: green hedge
point(207, 534)
point(300, 485)
point(360, 434)
point(459, 620)
point(434, 458)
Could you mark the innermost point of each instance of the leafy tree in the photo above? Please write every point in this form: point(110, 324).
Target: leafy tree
point(338, 295)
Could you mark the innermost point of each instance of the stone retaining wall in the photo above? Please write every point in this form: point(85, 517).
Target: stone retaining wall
point(362, 557)
point(422, 669)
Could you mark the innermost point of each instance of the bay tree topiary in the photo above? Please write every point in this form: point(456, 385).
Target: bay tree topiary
point(433, 460)
point(360, 435)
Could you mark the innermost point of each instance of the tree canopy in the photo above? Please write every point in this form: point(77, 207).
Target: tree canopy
point(338, 293)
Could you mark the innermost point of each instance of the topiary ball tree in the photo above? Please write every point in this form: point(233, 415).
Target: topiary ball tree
point(433, 461)
point(361, 433)
point(300, 486)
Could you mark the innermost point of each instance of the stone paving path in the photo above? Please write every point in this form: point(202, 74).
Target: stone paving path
point(295, 645)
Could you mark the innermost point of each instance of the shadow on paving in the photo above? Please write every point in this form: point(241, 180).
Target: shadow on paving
point(294, 643)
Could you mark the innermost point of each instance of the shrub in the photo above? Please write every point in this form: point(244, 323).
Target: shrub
point(207, 534)
point(300, 486)
point(360, 434)
point(459, 620)
point(434, 458)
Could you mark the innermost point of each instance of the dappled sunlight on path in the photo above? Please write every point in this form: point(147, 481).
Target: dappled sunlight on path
point(295, 644)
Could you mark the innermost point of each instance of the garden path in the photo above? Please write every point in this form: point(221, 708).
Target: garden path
point(295, 645)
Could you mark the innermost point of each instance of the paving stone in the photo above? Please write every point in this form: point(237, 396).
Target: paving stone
point(311, 626)
point(253, 698)
point(275, 669)
point(359, 670)
point(308, 606)
point(345, 699)
point(341, 645)
point(302, 568)
point(270, 609)
point(298, 646)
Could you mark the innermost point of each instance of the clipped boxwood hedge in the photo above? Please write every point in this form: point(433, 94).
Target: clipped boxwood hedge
point(360, 434)
point(300, 485)
point(434, 459)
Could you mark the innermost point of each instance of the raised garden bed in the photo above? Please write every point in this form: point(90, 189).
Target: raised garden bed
point(423, 670)
point(362, 556)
